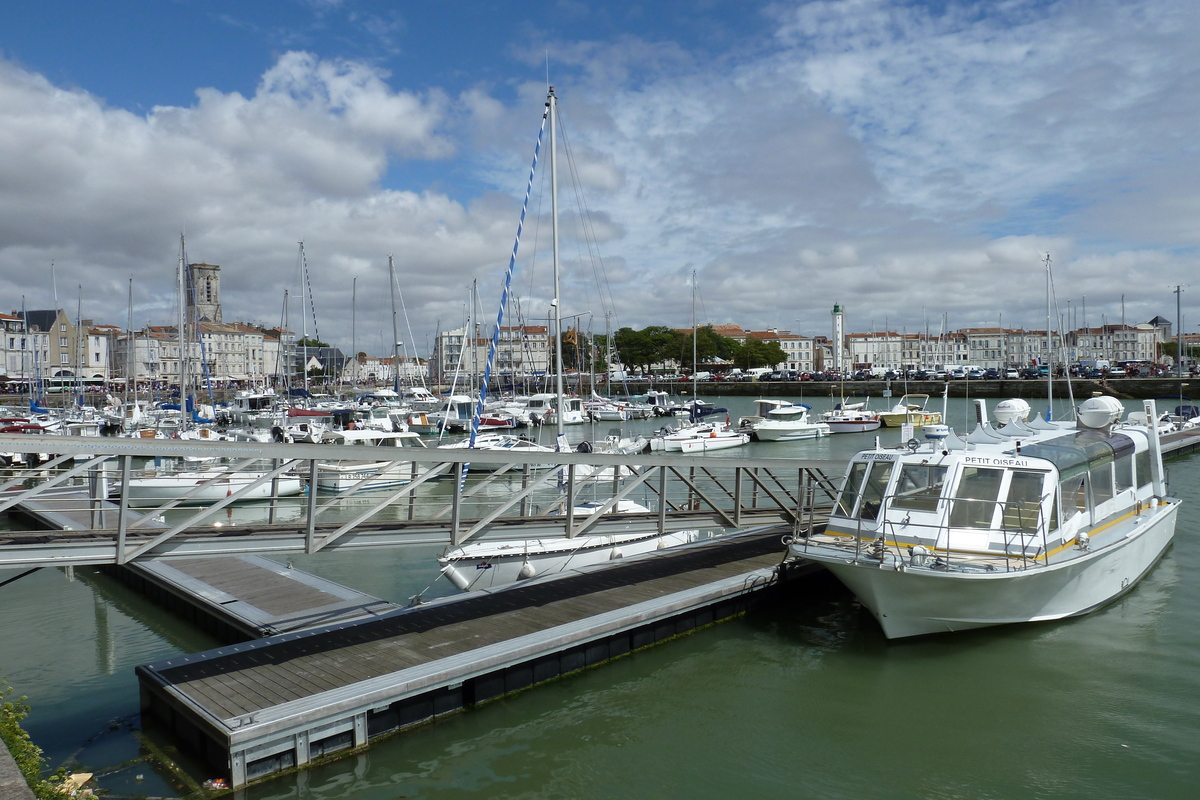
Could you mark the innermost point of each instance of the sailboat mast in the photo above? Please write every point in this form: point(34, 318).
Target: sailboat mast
point(303, 316)
point(130, 351)
point(552, 101)
point(183, 376)
point(1049, 348)
point(695, 396)
point(354, 330)
point(395, 336)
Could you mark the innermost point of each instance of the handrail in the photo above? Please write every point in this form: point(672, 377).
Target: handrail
point(681, 492)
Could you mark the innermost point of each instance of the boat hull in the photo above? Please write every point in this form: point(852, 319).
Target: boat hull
point(917, 602)
point(704, 444)
point(510, 562)
point(768, 433)
point(856, 426)
point(338, 477)
point(155, 491)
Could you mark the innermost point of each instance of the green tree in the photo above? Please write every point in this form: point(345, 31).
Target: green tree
point(757, 353)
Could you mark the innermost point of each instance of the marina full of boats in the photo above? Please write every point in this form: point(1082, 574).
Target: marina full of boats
point(938, 531)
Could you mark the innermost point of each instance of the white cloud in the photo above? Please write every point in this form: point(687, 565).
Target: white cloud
point(902, 161)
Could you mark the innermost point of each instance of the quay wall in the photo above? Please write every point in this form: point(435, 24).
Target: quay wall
point(1123, 388)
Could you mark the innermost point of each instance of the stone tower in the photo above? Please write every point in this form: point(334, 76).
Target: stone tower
point(204, 300)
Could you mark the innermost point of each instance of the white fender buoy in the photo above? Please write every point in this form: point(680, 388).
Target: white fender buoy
point(455, 577)
point(616, 553)
point(527, 570)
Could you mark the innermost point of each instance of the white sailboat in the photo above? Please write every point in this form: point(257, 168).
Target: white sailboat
point(486, 564)
point(701, 435)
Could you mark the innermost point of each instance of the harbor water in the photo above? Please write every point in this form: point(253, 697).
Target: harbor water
point(802, 697)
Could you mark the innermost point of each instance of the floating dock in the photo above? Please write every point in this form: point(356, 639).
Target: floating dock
point(262, 707)
point(248, 597)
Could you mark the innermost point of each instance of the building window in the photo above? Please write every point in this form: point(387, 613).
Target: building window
point(62, 341)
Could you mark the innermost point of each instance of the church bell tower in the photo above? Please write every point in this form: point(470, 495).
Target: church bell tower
point(204, 297)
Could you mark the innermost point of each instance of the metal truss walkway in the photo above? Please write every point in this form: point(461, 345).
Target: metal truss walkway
point(75, 507)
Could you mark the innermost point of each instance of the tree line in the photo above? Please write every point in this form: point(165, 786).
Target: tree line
point(657, 344)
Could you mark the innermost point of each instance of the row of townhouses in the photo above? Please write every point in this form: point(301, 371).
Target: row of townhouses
point(49, 345)
point(526, 350)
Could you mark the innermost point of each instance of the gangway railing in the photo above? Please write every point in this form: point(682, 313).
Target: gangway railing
point(87, 490)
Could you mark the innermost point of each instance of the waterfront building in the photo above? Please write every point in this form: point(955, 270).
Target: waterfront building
point(522, 351)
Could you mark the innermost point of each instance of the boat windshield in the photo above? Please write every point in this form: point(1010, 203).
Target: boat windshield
point(919, 487)
point(862, 493)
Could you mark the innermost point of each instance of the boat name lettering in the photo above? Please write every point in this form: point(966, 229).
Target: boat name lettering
point(996, 462)
point(878, 457)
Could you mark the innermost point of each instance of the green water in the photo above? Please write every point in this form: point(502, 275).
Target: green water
point(803, 698)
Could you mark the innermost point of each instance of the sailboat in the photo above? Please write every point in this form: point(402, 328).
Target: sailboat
point(471, 566)
point(701, 435)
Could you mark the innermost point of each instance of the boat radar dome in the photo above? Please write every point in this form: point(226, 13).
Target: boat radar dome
point(1008, 410)
point(937, 433)
point(1099, 412)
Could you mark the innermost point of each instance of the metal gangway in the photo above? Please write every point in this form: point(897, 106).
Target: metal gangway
point(70, 504)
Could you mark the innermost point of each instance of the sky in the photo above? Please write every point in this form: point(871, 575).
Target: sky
point(914, 162)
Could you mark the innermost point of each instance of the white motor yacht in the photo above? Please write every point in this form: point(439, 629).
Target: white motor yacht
point(1024, 522)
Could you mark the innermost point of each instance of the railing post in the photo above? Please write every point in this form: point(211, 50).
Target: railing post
point(98, 485)
point(274, 494)
point(412, 496)
point(570, 509)
point(310, 533)
point(524, 486)
point(123, 508)
point(662, 500)
point(737, 496)
point(455, 503)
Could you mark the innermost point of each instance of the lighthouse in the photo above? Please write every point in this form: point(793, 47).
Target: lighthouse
point(839, 332)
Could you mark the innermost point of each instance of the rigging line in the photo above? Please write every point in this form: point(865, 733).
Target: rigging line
point(308, 282)
point(590, 238)
point(407, 324)
point(508, 276)
point(1062, 342)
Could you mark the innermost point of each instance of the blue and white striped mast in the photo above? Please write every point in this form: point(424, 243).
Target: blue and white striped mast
point(552, 111)
point(508, 276)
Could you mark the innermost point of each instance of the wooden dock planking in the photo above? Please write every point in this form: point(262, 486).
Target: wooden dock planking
point(251, 596)
point(260, 678)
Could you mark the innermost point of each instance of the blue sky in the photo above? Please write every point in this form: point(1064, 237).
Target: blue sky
point(908, 160)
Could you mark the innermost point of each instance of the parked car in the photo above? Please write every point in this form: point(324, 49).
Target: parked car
point(1012, 372)
point(991, 374)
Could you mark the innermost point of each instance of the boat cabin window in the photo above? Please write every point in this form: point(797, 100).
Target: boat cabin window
point(1141, 463)
point(1123, 467)
point(1023, 507)
point(975, 498)
point(848, 496)
point(919, 487)
point(865, 485)
point(1074, 494)
point(874, 489)
point(1102, 483)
